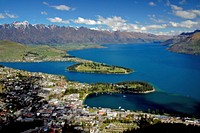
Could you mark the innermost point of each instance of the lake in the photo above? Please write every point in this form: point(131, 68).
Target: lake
point(175, 76)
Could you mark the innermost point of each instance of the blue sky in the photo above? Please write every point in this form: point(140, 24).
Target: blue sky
point(149, 16)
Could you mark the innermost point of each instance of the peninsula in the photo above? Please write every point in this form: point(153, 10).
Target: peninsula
point(94, 67)
point(121, 87)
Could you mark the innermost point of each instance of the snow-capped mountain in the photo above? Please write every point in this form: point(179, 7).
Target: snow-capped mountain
point(26, 33)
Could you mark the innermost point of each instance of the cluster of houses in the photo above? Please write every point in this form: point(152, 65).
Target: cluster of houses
point(32, 97)
point(26, 97)
point(33, 58)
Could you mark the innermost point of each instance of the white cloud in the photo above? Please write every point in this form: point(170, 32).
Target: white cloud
point(10, 15)
point(58, 20)
point(1, 16)
point(154, 27)
point(186, 14)
point(137, 22)
point(154, 18)
point(174, 7)
point(197, 12)
point(44, 13)
point(117, 23)
point(81, 20)
point(157, 20)
point(169, 33)
point(62, 7)
point(45, 3)
point(113, 23)
point(7, 15)
point(184, 24)
point(182, 2)
point(152, 4)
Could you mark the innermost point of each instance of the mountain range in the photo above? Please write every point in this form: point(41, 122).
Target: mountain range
point(25, 33)
point(188, 43)
point(40, 34)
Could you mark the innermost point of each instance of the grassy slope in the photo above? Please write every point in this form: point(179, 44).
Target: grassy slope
point(11, 51)
point(45, 50)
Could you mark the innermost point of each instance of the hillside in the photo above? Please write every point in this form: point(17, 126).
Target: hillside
point(25, 33)
point(11, 51)
point(188, 43)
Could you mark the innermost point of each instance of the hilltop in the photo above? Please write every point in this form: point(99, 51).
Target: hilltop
point(188, 43)
point(25, 33)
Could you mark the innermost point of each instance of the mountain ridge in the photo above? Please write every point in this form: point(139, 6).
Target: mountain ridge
point(188, 43)
point(25, 33)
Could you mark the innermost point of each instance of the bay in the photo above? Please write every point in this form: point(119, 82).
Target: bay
point(175, 76)
point(167, 71)
point(157, 101)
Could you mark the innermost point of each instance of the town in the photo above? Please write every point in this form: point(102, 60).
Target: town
point(42, 103)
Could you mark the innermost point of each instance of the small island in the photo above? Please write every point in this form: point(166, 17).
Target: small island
point(94, 67)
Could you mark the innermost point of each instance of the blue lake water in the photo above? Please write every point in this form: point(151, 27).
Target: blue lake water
point(175, 76)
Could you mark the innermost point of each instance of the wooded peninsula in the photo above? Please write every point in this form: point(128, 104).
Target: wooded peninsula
point(121, 87)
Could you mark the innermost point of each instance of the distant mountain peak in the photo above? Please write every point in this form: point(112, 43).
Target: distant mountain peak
point(190, 33)
point(18, 24)
point(26, 33)
point(21, 23)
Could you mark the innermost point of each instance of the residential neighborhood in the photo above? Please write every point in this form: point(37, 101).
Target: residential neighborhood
point(39, 103)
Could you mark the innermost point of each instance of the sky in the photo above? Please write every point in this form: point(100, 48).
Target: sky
point(161, 17)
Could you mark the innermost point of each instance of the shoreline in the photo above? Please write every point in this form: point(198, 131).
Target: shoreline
point(103, 73)
point(98, 46)
point(74, 59)
point(146, 92)
point(116, 92)
point(86, 95)
point(57, 58)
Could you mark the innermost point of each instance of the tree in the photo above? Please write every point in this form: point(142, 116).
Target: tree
point(149, 110)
